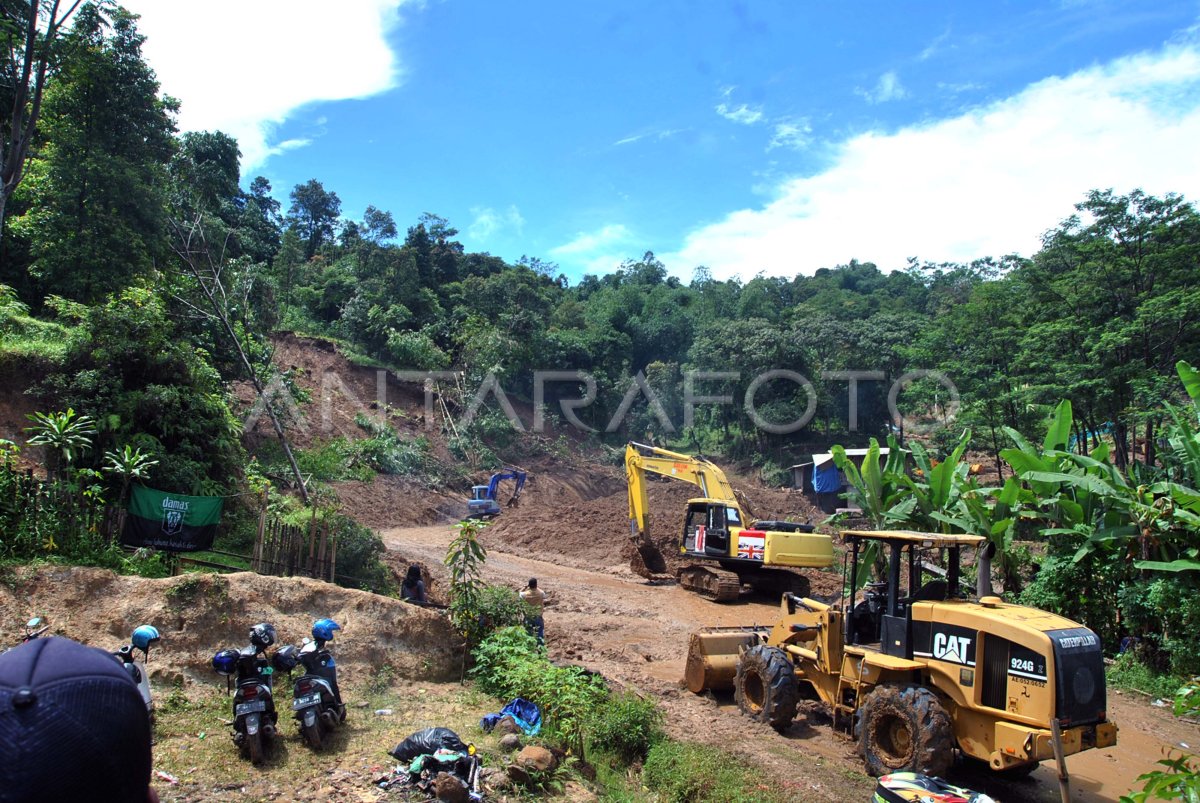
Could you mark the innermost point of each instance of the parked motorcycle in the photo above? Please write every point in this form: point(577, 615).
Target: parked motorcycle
point(144, 637)
point(33, 629)
point(316, 700)
point(253, 704)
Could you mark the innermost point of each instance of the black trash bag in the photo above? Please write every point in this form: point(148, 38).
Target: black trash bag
point(426, 742)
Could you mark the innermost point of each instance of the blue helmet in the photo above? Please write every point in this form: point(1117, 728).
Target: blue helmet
point(144, 637)
point(323, 629)
point(225, 662)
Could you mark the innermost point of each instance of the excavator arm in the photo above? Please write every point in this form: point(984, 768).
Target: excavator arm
point(640, 458)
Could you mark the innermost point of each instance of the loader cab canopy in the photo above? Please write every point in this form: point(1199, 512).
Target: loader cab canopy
point(880, 612)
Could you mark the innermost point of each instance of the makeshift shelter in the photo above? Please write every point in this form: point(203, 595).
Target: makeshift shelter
point(823, 483)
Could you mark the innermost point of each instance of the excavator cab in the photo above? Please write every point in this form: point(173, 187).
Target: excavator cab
point(706, 528)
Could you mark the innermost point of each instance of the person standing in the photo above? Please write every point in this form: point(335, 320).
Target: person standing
point(413, 587)
point(535, 598)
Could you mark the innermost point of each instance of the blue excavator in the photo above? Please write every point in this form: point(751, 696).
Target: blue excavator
point(483, 504)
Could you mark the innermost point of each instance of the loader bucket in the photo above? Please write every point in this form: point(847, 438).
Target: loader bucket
point(713, 655)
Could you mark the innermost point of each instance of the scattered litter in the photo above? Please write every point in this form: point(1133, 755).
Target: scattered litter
point(383, 712)
point(429, 753)
point(166, 776)
point(201, 735)
point(1185, 745)
point(427, 742)
point(526, 714)
point(1159, 703)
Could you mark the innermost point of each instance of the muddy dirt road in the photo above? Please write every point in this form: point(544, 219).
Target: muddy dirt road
point(612, 621)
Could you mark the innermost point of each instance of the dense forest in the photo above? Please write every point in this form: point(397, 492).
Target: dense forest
point(141, 274)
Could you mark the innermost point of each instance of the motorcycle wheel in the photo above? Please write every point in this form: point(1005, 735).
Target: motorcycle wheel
point(312, 734)
point(254, 746)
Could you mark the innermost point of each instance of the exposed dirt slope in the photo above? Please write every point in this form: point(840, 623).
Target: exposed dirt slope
point(198, 614)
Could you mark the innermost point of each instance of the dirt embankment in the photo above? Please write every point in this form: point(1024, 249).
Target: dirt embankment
point(198, 614)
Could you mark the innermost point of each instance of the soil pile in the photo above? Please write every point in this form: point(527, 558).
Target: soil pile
point(582, 521)
point(198, 614)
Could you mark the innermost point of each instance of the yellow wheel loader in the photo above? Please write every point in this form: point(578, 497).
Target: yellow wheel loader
point(723, 549)
point(914, 670)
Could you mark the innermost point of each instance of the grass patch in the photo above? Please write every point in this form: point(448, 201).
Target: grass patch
point(1130, 673)
point(686, 772)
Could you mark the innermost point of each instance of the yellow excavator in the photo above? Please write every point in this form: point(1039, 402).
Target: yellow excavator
point(724, 550)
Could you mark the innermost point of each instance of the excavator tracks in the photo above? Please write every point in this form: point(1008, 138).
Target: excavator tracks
point(715, 584)
point(774, 582)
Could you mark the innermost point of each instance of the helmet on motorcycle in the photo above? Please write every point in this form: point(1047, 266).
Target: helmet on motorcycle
point(145, 637)
point(323, 629)
point(286, 658)
point(225, 662)
point(262, 635)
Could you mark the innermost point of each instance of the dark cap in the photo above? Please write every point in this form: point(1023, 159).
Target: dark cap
point(73, 726)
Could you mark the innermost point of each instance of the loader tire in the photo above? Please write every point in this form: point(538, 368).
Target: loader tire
point(904, 728)
point(765, 686)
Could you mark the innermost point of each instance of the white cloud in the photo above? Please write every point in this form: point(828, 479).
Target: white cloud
point(244, 68)
point(657, 135)
point(488, 222)
point(888, 87)
point(741, 114)
point(601, 251)
point(988, 182)
point(934, 47)
point(791, 134)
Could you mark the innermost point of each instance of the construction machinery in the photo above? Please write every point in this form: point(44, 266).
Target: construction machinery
point(914, 670)
point(724, 550)
point(483, 504)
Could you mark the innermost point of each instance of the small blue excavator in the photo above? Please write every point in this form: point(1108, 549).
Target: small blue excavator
point(483, 504)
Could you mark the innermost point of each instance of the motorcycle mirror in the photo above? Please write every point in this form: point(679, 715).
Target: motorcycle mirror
point(34, 622)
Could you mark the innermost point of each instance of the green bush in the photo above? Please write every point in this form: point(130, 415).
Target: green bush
point(358, 553)
point(498, 657)
point(388, 453)
point(684, 772)
point(510, 663)
point(627, 726)
point(1164, 613)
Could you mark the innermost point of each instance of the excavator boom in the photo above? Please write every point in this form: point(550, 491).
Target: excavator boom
point(640, 458)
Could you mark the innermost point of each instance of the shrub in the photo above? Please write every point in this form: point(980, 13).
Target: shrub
point(499, 657)
point(358, 553)
point(627, 726)
point(388, 453)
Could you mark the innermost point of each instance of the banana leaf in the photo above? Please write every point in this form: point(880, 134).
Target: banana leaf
point(1180, 565)
point(1059, 432)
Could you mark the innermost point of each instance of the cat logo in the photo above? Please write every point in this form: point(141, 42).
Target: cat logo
point(951, 648)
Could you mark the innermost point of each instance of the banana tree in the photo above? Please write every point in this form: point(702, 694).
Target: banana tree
point(878, 488)
point(935, 497)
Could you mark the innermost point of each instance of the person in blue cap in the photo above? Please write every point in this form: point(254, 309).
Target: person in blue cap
point(73, 727)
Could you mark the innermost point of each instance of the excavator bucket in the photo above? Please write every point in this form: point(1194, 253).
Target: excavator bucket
point(647, 561)
point(713, 655)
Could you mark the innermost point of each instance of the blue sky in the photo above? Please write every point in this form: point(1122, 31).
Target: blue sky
point(774, 137)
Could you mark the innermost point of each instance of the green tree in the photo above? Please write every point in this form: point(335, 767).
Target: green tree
point(30, 32)
point(96, 191)
point(314, 215)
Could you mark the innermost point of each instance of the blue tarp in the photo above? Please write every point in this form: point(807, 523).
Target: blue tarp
point(526, 714)
point(826, 479)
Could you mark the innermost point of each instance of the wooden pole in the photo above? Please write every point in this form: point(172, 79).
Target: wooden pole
point(1064, 780)
point(319, 569)
point(333, 561)
point(309, 566)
